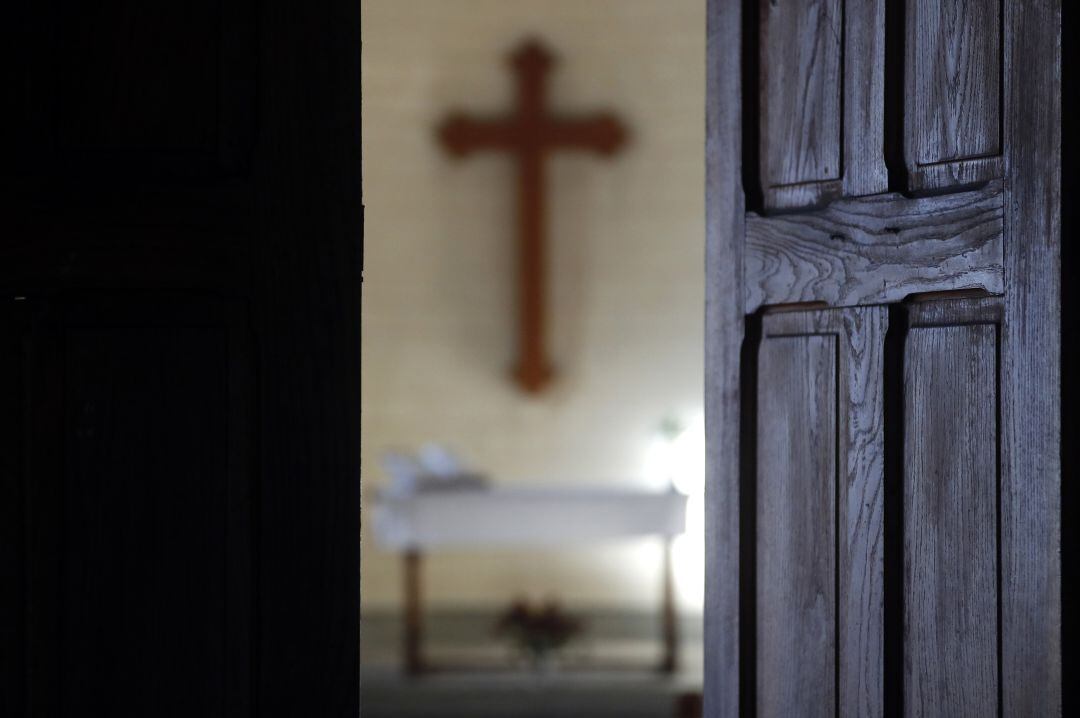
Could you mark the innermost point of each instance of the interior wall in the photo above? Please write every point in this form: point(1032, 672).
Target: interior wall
point(626, 253)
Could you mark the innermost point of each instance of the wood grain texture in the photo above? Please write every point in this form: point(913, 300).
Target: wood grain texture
point(864, 98)
point(950, 518)
point(857, 336)
point(953, 87)
point(821, 75)
point(1010, 220)
point(796, 520)
point(1031, 365)
point(724, 328)
point(801, 102)
point(861, 505)
point(877, 249)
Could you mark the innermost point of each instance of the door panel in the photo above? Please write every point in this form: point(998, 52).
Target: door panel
point(951, 496)
point(953, 80)
point(820, 497)
point(143, 530)
point(796, 520)
point(139, 511)
point(820, 61)
point(801, 125)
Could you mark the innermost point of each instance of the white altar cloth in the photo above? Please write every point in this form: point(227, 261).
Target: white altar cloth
point(515, 517)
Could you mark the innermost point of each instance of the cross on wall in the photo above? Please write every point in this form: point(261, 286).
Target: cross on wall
point(530, 133)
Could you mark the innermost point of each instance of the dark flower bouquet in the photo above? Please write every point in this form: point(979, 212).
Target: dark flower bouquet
point(538, 630)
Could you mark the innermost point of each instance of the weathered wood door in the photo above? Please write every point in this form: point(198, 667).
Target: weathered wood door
point(883, 358)
point(180, 249)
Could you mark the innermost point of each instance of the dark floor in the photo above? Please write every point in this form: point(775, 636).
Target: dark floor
point(609, 674)
point(521, 695)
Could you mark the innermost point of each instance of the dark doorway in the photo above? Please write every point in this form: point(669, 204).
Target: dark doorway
point(180, 270)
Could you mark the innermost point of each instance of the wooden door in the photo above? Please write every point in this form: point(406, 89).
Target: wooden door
point(180, 250)
point(882, 390)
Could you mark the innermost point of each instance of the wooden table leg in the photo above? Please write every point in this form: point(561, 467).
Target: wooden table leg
point(669, 620)
point(414, 618)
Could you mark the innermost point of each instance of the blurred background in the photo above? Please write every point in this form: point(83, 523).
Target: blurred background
point(624, 411)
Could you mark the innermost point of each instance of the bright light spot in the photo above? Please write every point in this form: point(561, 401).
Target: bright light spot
point(677, 459)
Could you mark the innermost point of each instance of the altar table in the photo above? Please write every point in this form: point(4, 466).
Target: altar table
point(521, 517)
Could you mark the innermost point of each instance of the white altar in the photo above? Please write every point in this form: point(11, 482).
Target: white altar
point(437, 505)
point(493, 518)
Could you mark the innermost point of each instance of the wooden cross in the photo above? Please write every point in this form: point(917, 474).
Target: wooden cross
point(530, 133)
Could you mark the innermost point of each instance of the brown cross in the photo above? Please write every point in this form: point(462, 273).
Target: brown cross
point(530, 133)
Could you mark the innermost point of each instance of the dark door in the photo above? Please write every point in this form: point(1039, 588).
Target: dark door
point(884, 358)
point(180, 268)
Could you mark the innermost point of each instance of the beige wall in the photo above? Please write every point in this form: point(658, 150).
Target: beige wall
point(627, 244)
